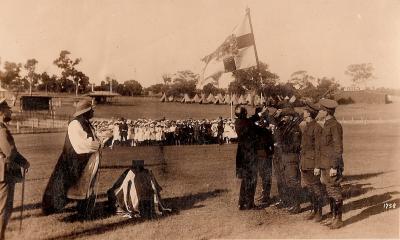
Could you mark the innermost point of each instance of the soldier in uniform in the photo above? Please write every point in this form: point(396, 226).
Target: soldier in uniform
point(290, 136)
point(11, 162)
point(277, 158)
point(330, 165)
point(264, 151)
point(308, 157)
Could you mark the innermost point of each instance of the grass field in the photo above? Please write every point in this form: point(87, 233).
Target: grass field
point(199, 184)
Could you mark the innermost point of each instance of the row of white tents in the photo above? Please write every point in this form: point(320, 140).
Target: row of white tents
point(217, 99)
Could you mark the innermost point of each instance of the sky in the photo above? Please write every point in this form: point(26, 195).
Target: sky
point(144, 39)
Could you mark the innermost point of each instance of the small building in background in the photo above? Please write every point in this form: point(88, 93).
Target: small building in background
point(102, 97)
point(36, 103)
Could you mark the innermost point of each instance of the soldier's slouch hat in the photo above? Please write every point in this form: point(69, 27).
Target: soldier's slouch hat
point(328, 103)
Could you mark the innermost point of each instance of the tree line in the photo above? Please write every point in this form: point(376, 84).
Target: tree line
point(258, 81)
point(23, 77)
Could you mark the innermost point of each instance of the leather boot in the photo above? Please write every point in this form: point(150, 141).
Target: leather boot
point(312, 212)
point(295, 202)
point(328, 221)
point(337, 222)
point(318, 212)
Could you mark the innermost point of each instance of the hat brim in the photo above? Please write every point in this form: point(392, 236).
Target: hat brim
point(82, 111)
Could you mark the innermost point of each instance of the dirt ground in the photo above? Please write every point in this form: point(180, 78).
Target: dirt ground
point(200, 185)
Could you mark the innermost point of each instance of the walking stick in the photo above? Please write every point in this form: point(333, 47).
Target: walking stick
point(22, 199)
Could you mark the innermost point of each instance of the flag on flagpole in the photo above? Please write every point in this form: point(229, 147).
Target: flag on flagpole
point(236, 52)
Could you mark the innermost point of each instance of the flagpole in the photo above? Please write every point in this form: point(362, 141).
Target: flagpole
point(252, 33)
point(254, 45)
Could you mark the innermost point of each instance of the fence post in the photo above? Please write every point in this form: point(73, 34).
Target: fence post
point(33, 125)
point(17, 126)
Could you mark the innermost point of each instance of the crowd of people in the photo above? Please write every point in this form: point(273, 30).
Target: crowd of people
point(144, 132)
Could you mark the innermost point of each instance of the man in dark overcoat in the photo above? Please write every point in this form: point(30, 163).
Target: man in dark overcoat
point(246, 158)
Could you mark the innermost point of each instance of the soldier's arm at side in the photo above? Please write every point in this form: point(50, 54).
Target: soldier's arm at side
point(337, 134)
point(9, 150)
point(317, 144)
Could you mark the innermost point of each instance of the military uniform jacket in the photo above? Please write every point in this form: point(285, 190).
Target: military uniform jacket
point(331, 145)
point(264, 137)
point(11, 160)
point(310, 147)
point(290, 136)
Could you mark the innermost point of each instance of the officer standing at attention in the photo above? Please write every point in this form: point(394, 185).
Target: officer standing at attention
point(11, 162)
point(330, 165)
point(291, 141)
point(309, 155)
point(264, 151)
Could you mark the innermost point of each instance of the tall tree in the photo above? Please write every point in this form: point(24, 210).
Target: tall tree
point(185, 75)
point(326, 87)
point(301, 79)
point(70, 73)
point(10, 77)
point(32, 76)
point(360, 73)
point(252, 79)
point(48, 83)
point(133, 87)
point(167, 78)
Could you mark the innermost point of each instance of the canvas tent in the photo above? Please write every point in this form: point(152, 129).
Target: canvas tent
point(203, 99)
point(227, 99)
point(186, 99)
point(211, 98)
point(196, 99)
point(219, 99)
point(241, 100)
point(234, 99)
point(164, 98)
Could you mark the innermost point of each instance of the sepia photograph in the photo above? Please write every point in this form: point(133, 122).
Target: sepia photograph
point(199, 119)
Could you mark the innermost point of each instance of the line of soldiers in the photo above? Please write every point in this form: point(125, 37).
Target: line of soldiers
point(304, 153)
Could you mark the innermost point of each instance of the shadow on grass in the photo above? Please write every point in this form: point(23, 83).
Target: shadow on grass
point(375, 205)
point(362, 176)
point(101, 212)
point(30, 206)
point(189, 201)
